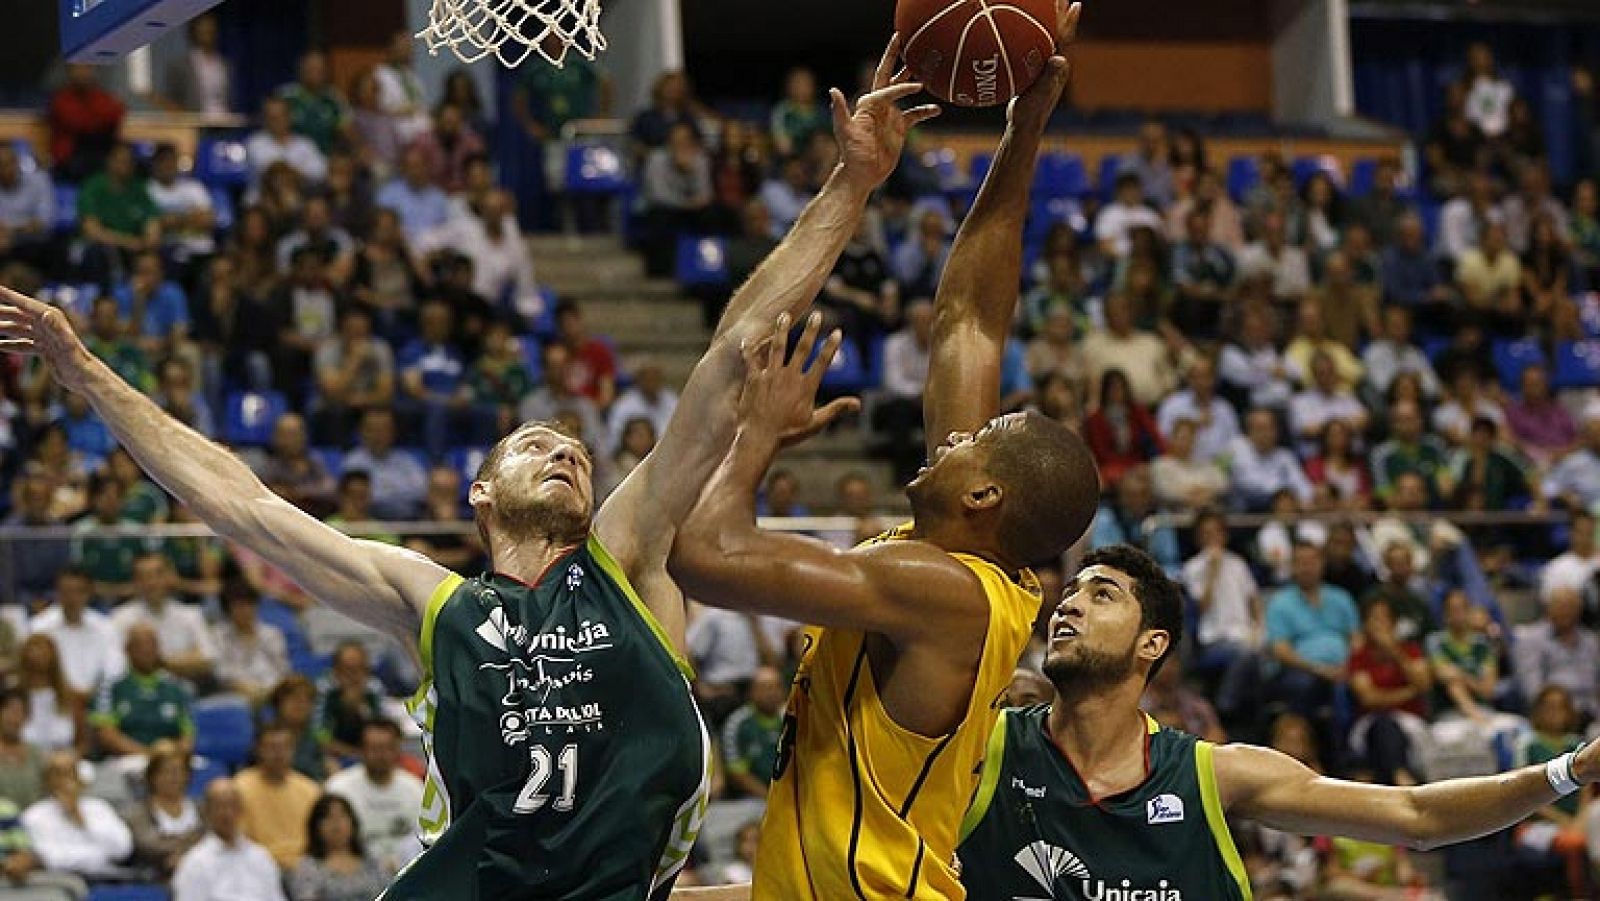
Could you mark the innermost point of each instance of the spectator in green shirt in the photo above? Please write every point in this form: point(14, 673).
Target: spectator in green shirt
point(1413, 620)
point(750, 737)
point(1407, 450)
point(116, 212)
point(547, 98)
point(347, 698)
point(108, 339)
point(101, 546)
point(499, 379)
point(142, 501)
point(798, 115)
point(145, 706)
point(316, 109)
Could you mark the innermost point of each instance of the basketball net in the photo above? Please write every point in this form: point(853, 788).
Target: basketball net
point(513, 30)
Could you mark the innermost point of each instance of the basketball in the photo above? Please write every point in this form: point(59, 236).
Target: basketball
point(974, 52)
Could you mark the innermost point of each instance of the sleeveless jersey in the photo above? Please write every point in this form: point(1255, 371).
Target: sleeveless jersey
point(1034, 833)
point(859, 807)
point(566, 757)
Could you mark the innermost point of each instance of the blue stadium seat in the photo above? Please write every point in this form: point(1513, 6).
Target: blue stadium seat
point(1433, 347)
point(310, 664)
point(129, 893)
point(595, 169)
point(25, 155)
point(1511, 357)
point(222, 205)
point(848, 374)
point(1046, 214)
point(332, 459)
point(702, 262)
point(1060, 175)
point(1362, 177)
point(1110, 165)
point(66, 208)
point(1244, 173)
point(1430, 212)
point(205, 772)
point(466, 460)
point(224, 730)
point(978, 168)
point(250, 416)
point(544, 325)
point(1577, 365)
point(283, 618)
point(221, 163)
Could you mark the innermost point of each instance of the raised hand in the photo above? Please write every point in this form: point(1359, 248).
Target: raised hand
point(872, 136)
point(779, 394)
point(32, 328)
point(1034, 106)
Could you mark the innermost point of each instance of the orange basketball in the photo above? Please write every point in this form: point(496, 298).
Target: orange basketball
point(976, 52)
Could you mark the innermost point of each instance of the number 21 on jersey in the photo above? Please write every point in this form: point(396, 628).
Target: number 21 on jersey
point(532, 797)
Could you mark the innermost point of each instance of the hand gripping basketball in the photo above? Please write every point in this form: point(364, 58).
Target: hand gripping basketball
point(872, 135)
point(1039, 101)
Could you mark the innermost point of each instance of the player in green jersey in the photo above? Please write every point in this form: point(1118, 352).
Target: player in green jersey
point(1087, 799)
point(567, 760)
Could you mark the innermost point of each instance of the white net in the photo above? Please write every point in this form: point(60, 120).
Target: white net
point(513, 30)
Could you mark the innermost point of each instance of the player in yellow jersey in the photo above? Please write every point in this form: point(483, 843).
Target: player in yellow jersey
point(915, 634)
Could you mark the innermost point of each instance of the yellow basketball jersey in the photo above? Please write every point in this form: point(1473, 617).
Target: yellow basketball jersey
point(860, 808)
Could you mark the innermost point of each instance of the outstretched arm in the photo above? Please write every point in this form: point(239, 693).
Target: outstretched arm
point(1278, 791)
point(381, 586)
point(977, 298)
point(638, 522)
point(901, 589)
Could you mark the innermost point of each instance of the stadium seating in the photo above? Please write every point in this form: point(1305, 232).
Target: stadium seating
point(221, 163)
point(595, 169)
point(250, 416)
point(128, 893)
point(1109, 167)
point(1577, 365)
point(206, 771)
point(1244, 173)
point(702, 262)
point(1511, 357)
point(1060, 175)
point(224, 730)
point(1363, 174)
point(222, 206)
point(66, 209)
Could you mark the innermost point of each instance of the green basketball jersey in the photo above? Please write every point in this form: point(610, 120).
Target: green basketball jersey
point(566, 757)
point(1033, 833)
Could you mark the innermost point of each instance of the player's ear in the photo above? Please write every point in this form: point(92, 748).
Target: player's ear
point(983, 496)
point(1153, 644)
point(477, 494)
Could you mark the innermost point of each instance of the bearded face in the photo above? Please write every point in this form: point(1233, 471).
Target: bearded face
point(542, 487)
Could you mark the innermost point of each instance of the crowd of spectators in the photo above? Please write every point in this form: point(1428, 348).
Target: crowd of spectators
point(1348, 366)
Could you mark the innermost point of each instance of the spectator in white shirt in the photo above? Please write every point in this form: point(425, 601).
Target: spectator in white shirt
point(1468, 401)
point(1114, 227)
point(1214, 417)
point(1253, 364)
point(1462, 220)
point(1323, 401)
point(1229, 601)
point(258, 656)
point(226, 866)
point(399, 483)
point(1519, 211)
point(400, 91)
point(905, 371)
point(1575, 568)
point(649, 398)
point(1393, 353)
point(420, 203)
point(502, 269)
point(27, 206)
point(385, 798)
point(187, 647)
point(90, 646)
point(188, 220)
point(727, 647)
point(1259, 468)
point(1181, 477)
point(74, 833)
point(1489, 95)
point(277, 141)
point(1275, 260)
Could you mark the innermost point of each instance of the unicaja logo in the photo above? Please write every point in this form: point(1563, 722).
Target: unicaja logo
point(1048, 865)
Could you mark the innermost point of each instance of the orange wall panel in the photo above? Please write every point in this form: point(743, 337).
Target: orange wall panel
point(1173, 75)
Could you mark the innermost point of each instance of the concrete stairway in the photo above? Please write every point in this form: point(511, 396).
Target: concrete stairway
point(652, 316)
